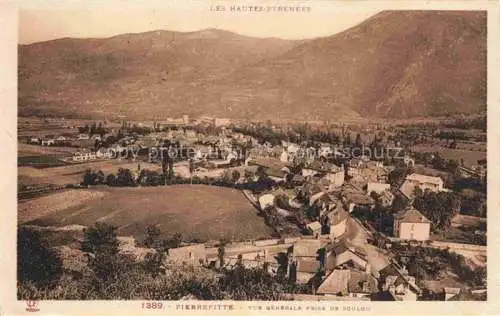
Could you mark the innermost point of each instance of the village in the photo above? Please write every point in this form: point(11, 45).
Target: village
point(352, 219)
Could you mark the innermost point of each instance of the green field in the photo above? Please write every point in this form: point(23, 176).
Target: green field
point(470, 157)
point(196, 211)
point(39, 161)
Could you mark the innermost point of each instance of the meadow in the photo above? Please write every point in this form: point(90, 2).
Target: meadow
point(198, 212)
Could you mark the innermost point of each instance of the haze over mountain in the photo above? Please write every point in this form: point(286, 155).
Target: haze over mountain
point(397, 64)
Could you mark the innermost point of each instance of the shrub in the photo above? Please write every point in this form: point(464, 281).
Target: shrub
point(36, 263)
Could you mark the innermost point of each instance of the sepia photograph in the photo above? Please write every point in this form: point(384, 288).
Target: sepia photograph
point(208, 155)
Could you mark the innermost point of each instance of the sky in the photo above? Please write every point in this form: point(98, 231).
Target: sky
point(48, 20)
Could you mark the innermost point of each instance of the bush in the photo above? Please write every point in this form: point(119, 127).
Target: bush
point(36, 263)
point(101, 241)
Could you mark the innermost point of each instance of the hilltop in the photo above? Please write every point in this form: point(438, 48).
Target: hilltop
point(397, 64)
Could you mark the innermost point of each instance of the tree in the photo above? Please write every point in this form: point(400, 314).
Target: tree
point(358, 141)
point(124, 178)
point(36, 262)
point(479, 276)
point(260, 172)
point(89, 178)
point(226, 177)
point(100, 240)
point(473, 203)
point(100, 236)
point(221, 252)
point(398, 175)
point(438, 207)
point(93, 128)
point(250, 284)
point(452, 166)
point(175, 241)
point(439, 162)
point(100, 177)
point(313, 212)
point(249, 175)
point(111, 179)
point(153, 262)
point(400, 203)
point(153, 238)
point(235, 175)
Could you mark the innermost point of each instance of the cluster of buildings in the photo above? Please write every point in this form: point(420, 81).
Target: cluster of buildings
point(333, 269)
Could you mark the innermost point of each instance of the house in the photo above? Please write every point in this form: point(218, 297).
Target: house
point(61, 139)
point(396, 281)
point(374, 164)
point(304, 260)
point(314, 228)
point(267, 163)
point(322, 199)
point(377, 187)
point(275, 175)
point(292, 148)
point(357, 199)
point(408, 161)
point(325, 151)
point(83, 136)
point(410, 224)
point(83, 156)
point(336, 221)
point(348, 282)
point(342, 253)
point(450, 292)
point(266, 200)
point(407, 190)
point(96, 137)
point(336, 179)
point(34, 140)
point(386, 198)
point(193, 254)
point(104, 153)
point(298, 180)
point(48, 142)
point(284, 156)
point(316, 167)
point(356, 163)
point(434, 184)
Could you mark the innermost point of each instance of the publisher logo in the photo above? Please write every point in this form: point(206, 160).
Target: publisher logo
point(32, 306)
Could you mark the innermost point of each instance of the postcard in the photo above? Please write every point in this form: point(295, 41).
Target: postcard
point(249, 157)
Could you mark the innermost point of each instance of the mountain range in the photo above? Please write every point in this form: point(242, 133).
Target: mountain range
point(396, 64)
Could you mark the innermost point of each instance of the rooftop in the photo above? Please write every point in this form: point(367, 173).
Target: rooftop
point(411, 215)
point(377, 187)
point(347, 281)
point(338, 215)
point(307, 248)
point(308, 266)
point(408, 190)
point(424, 179)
